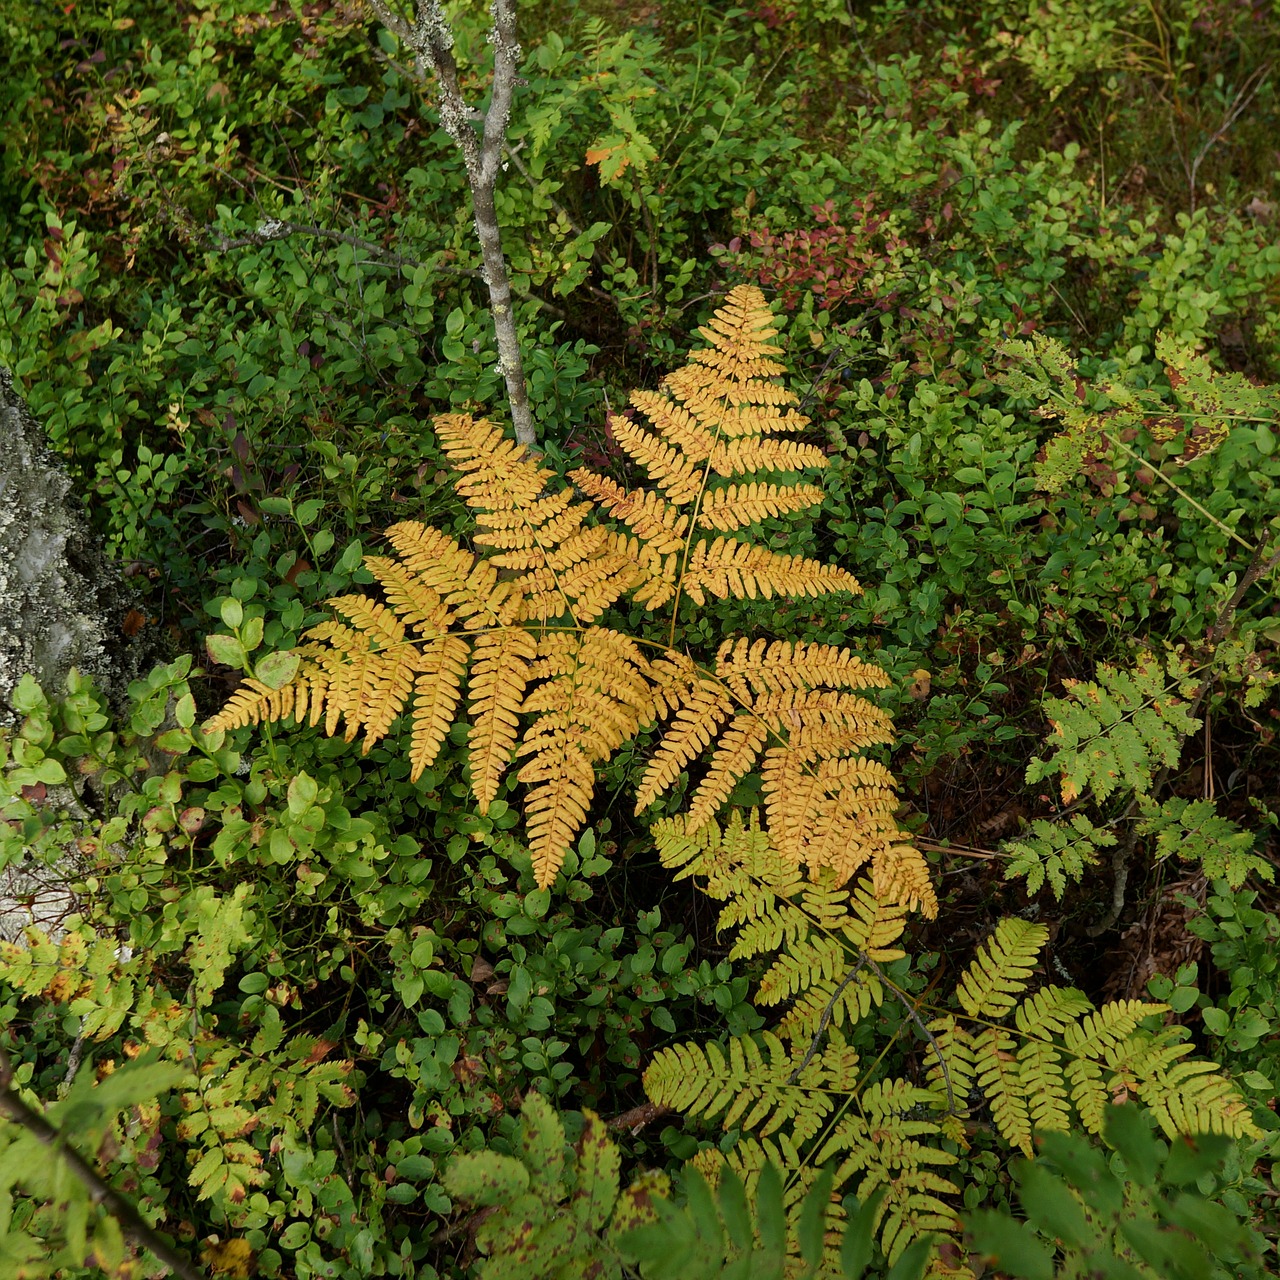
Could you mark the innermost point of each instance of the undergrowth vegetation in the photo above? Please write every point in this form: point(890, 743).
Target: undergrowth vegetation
point(816, 815)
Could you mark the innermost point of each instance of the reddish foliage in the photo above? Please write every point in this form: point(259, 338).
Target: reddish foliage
point(832, 260)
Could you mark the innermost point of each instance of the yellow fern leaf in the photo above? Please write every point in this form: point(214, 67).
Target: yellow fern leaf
point(739, 334)
point(792, 792)
point(499, 673)
point(704, 707)
point(593, 697)
point(762, 417)
point(746, 456)
point(364, 686)
point(678, 477)
point(1000, 1079)
point(694, 439)
point(651, 516)
point(495, 473)
point(415, 603)
point(725, 567)
point(743, 504)
point(751, 667)
point(595, 584)
point(467, 586)
point(900, 874)
point(734, 757)
point(252, 703)
point(654, 576)
point(436, 692)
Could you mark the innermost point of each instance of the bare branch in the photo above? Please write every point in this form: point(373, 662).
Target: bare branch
point(101, 1193)
point(430, 38)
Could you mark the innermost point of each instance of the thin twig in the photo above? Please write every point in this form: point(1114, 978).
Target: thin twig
point(825, 1021)
point(1248, 91)
point(634, 1120)
point(132, 1223)
point(430, 37)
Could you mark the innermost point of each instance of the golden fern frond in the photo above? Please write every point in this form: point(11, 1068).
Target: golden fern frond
point(759, 418)
point(739, 505)
point(746, 456)
point(725, 567)
point(899, 873)
point(255, 703)
point(875, 925)
point(831, 719)
point(1000, 1078)
point(375, 687)
point(436, 693)
point(676, 680)
point(703, 708)
point(792, 791)
point(494, 473)
point(468, 586)
point(752, 667)
point(1193, 1097)
point(340, 674)
point(675, 474)
point(734, 756)
point(695, 441)
point(650, 515)
point(500, 669)
point(653, 577)
point(739, 334)
point(998, 974)
point(596, 583)
point(416, 604)
point(593, 696)
point(528, 537)
point(556, 575)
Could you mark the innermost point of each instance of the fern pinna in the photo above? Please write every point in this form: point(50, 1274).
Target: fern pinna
point(518, 618)
point(802, 1095)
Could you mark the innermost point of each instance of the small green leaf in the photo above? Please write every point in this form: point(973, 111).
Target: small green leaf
point(277, 669)
point(226, 650)
point(305, 513)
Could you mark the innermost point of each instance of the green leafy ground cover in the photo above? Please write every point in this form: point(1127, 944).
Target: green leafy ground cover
point(1025, 257)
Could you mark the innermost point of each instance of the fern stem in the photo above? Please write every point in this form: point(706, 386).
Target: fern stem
point(914, 1014)
point(1181, 492)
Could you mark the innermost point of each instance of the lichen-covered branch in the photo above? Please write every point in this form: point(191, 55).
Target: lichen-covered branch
point(430, 38)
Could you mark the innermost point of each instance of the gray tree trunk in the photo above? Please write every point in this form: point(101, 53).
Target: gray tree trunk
point(60, 606)
point(60, 598)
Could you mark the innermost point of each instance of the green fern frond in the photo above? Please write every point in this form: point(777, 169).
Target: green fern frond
point(1116, 732)
point(1194, 830)
point(1055, 851)
point(998, 975)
